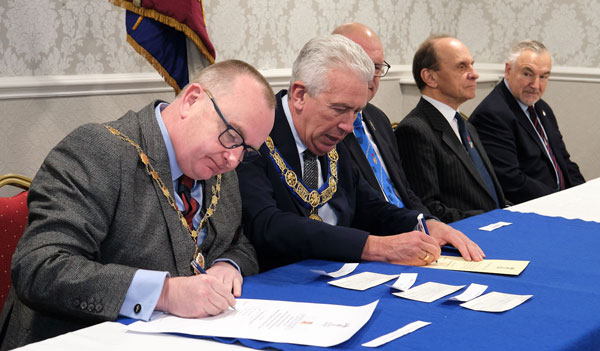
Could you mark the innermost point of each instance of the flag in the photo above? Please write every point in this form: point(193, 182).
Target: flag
point(171, 35)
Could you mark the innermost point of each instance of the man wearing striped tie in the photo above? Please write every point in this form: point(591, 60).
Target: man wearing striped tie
point(373, 145)
point(519, 130)
point(142, 214)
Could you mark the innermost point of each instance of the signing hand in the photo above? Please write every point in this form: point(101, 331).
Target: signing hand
point(412, 248)
point(445, 234)
point(196, 296)
point(227, 274)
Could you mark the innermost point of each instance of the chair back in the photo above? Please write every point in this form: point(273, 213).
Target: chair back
point(13, 220)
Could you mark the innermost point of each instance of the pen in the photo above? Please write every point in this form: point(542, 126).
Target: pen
point(421, 225)
point(199, 270)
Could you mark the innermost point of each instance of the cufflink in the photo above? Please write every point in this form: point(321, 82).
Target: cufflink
point(137, 308)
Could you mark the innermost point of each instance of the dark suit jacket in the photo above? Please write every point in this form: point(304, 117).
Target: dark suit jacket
point(439, 167)
point(383, 135)
point(278, 225)
point(96, 216)
point(516, 152)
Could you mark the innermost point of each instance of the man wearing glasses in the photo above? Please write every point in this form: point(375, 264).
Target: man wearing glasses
point(304, 198)
point(142, 214)
point(373, 144)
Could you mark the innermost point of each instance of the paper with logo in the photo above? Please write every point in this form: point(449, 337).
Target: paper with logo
point(455, 263)
point(471, 292)
point(322, 325)
point(429, 292)
point(496, 302)
point(363, 281)
point(346, 269)
point(407, 329)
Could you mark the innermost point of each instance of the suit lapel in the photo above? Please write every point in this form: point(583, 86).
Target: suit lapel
point(521, 116)
point(211, 225)
point(286, 145)
point(360, 159)
point(153, 143)
point(448, 137)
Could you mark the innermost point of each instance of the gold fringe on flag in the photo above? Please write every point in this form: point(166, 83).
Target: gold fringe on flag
point(168, 21)
point(161, 70)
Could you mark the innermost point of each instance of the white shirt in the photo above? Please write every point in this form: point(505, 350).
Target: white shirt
point(448, 112)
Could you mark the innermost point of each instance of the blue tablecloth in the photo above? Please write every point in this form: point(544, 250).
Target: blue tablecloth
point(563, 276)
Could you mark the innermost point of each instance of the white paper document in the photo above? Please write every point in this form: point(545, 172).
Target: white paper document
point(407, 329)
point(346, 269)
point(471, 292)
point(494, 226)
point(300, 323)
point(455, 263)
point(496, 302)
point(429, 292)
point(363, 281)
point(404, 281)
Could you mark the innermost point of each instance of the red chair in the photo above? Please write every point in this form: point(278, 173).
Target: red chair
point(13, 219)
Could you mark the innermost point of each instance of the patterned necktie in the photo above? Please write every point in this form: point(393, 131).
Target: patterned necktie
point(184, 189)
point(382, 176)
point(476, 157)
point(310, 176)
point(538, 126)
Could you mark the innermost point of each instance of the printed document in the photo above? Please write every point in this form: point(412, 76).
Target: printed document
point(455, 263)
point(300, 323)
point(363, 281)
point(428, 292)
point(496, 302)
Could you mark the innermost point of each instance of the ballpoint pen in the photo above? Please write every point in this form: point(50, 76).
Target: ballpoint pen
point(199, 270)
point(421, 225)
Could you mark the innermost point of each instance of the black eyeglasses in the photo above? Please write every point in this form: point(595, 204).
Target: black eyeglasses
point(230, 138)
point(381, 69)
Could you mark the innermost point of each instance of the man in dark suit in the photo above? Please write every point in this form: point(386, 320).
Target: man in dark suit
point(305, 199)
point(109, 235)
point(373, 134)
point(443, 158)
point(519, 130)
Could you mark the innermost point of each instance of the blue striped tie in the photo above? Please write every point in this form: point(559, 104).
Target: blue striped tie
point(376, 165)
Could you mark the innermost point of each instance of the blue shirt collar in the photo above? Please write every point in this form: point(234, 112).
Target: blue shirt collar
point(175, 170)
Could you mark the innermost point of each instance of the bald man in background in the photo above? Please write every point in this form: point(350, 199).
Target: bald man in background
point(373, 132)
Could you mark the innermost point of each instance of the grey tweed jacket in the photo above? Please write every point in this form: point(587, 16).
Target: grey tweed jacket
point(96, 217)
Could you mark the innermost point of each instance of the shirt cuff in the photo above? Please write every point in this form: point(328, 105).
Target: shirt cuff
point(143, 293)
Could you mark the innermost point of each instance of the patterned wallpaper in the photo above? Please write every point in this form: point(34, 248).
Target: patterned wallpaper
point(70, 37)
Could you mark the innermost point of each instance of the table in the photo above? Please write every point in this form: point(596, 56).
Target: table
point(580, 202)
point(563, 276)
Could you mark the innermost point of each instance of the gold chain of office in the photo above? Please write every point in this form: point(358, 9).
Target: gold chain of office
point(312, 198)
point(216, 193)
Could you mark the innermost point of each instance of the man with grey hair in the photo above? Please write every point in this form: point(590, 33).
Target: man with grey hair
point(124, 216)
point(519, 130)
point(374, 149)
point(304, 199)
